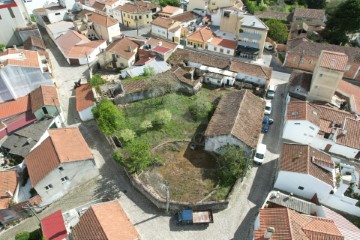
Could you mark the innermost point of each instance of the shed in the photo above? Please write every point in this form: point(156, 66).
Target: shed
point(85, 102)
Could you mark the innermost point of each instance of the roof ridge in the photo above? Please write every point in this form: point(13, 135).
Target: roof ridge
point(238, 111)
point(289, 221)
point(52, 143)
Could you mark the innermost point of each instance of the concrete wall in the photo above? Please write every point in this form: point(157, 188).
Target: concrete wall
point(196, 4)
point(87, 114)
point(106, 58)
point(109, 33)
point(251, 79)
point(159, 31)
point(342, 203)
point(56, 16)
point(52, 111)
point(305, 133)
point(128, 19)
point(78, 172)
point(290, 182)
point(217, 49)
point(212, 144)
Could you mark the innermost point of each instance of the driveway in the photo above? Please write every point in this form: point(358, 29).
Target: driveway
point(236, 222)
point(143, 31)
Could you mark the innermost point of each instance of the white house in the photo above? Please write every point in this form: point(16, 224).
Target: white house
point(244, 113)
point(32, 5)
point(85, 102)
point(170, 11)
point(161, 27)
point(322, 127)
point(60, 163)
point(13, 16)
point(308, 172)
point(252, 73)
point(187, 18)
point(217, 76)
point(78, 49)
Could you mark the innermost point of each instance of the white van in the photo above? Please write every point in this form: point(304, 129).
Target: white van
point(271, 92)
point(260, 154)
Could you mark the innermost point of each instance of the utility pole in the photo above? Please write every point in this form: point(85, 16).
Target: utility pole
point(87, 59)
point(31, 209)
point(166, 188)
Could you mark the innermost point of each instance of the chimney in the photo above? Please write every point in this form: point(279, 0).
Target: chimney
point(253, 24)
point(15, 47)
point(269, 232)
point(192, 70)
point(129, 48)
point(160, 43)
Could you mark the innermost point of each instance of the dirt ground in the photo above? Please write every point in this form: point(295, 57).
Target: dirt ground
point(190, 174)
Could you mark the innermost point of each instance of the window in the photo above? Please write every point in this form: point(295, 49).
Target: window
point(45, 111)
point(346, 69)
point(301, 187)
point(124, 14)
point(11, 12)
point(215, 48)
point(297, 123)
point(199, 44)
point(61, 169)
point(139, 17)
point(147, 15)
point(135, 17)
point(301, 60)
point(64, 179)
point(57, 14)
point(228, 51)
point(48, 187)
point(206, 46)
point(312, 128)
point(221, 50)
point(311, 61)
point(0, 17)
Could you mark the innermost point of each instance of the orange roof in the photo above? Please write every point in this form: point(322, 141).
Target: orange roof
point(106, 221)
point(202, 35)
point(289, 225)
point(44, 96)
point(8, 183)
point(170, 9)
point(121, 47)
point(14, 107)
point(20, 57)
point(226, 43)
point(163, 22)
point(301, 110)
point(351, 91)
point(84, 97)
point(161, 42)
point(84, 49)
point(333, 60)
point(102, 20)
point(63, 145)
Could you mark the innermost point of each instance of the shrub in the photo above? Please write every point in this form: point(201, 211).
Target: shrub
point(149, 71)
point(96, 80)
point(145, 125)
point(200, 108)
point(127, 135)
point(162, 117)
point(140, 156)
point(22, 236)
point(117, 156)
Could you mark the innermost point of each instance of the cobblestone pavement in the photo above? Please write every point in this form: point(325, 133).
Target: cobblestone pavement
point(236, 222)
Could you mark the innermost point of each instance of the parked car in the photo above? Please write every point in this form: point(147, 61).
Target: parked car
point(270, 92)
point(266, 124)
point(267, 108)
point(260, 154)
point(189, 217)
point(268, 46)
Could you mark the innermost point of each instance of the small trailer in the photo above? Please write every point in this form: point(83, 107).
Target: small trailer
point(189, 217)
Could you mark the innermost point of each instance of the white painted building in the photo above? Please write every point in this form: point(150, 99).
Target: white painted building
point(217, 76)
point(60, 163)
point(165, 28)
point(251, 73)
point(323, 128)
point(13, 15)
point(85, 102)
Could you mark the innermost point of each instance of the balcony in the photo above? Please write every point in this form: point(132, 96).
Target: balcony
point(254, 36)
point(248, 44)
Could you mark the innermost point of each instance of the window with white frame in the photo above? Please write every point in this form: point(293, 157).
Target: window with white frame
point(48, 187)
point(64, 179)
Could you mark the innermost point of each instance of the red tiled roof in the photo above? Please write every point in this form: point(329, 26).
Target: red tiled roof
point(184, 17)
point(161, 42)
point(44, 96)
point(289, 225)
point(14, 107)
point(180, 74)
point(301, 110)
point(299, 158)
point(163, 22)
point(251, 69)
point(239, 114)
point(53, 226)
point(170, 9)
point(202, 35)
point(105, 221)
point(160, 49)
point(62, 145)
point(121, 47)
point(226, 43)
point(20, 57)
point(309, 13)
point(84, 97)
point(137, 7)
point(102, 20)
point(352, 92)
point(333, 60)
point(8, 183)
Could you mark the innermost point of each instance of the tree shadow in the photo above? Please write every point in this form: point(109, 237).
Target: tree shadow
point(72, 114)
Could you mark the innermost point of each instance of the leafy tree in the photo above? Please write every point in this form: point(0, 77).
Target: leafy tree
point(145, 125)
point(149, 71)
point(345, 19)
point(127, 135)
point(200, 108)
point(22, 236)
point(2, 47)
point(162, 117)
point(96, 80)
point(139, 156)
point(108, 117)
point(163, 3)
point(316, 4)
point(277, 30)
point(232, 162)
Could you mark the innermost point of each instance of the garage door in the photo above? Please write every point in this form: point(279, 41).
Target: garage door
point(74, 61)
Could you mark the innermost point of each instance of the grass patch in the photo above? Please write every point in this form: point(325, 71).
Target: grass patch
point(135, 78)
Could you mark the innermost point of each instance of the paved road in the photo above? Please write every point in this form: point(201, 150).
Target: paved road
point(143, 32)
point(236, 222)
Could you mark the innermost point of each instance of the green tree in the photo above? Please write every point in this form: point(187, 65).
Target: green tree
point(200, 108)
point(145, 125)
point(277, 30)
point(22, 236)
point(149, 71)
point(316, 4)
point(232, 162)
point(164, 3)
point(162, 117)
point(96, 80)
point(108, 117)
point(345, 19)
point(127, 135)
point(140, 156)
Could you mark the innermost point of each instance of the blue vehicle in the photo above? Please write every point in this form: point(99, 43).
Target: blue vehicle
point(266, 124)
point(189, 217)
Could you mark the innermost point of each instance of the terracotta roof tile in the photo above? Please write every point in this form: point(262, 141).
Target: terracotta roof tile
point(121, 47)
point(160, 49)
point(299, 158)
point(352, 135)
point(161, 42)
point(163, 22)
point(240, 114)
point(98, 223)
point(102, 20)
point(62, 145)
point(99, 6)
point(274, 15)
point(33, 41)
point(20, 57)
point(133, 8)
point(333, 60)
point(352, 92)
point(170, 9)
point(11, 108)
point(181, 56)
point(277, 218)
point(301, 110)
point(309, 13)
point(223, 42)
point(251, 69)
point(8, 183)
point(53, 226)
point(180, 74)
point(44, 96)
point(84, 97)
point(202, 35)
point(185, 17)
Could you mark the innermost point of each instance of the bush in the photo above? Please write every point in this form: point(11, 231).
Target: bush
point(200, 108)
point(277, 30)
point(118, 157)
point(22, 236)
point(149, 71)
point(140, 156)
point(127, 135)
point(162, 117)
point(96, 80)
point(145, 125)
